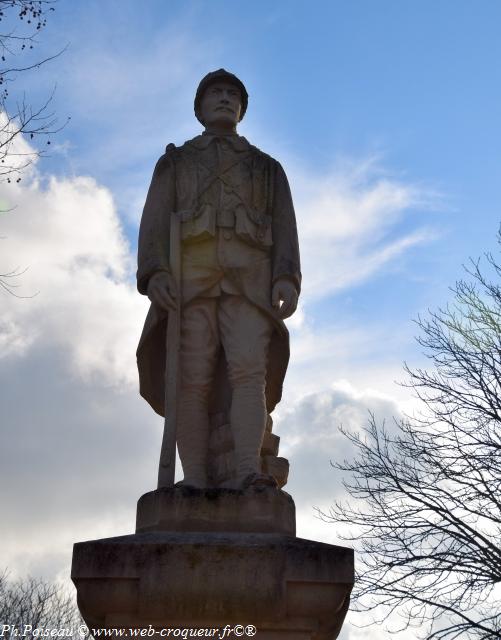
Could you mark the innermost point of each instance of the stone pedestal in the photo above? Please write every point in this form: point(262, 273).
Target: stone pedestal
point(286, 587)
point(188, 509)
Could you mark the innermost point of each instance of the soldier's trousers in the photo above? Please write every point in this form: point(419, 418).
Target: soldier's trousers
point(244, 333)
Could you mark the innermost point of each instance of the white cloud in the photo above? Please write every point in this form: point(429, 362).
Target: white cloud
point(73, 420)
point(311, 440)
point(15, 151)
point(311, 436)
point(350, 223)
point(68, 235)
point(129, 97)
point(355, 628)
point(369, 355)
point(79, 445)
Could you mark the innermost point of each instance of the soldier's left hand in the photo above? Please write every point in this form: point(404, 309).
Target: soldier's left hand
point(285, 291)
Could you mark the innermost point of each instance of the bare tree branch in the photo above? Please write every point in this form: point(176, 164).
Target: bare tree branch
point(427, 510)
point(30, 604)
point(21, 122)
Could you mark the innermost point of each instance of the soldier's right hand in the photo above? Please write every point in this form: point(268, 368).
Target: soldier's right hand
point(162, 290)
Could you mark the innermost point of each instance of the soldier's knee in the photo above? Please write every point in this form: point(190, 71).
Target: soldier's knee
point(246, 376)
point(195, 391)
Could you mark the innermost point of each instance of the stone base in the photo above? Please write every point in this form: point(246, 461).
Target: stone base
point(286, 587)
point(266, 510)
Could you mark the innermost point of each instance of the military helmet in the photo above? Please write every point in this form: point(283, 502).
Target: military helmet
point(221, 75)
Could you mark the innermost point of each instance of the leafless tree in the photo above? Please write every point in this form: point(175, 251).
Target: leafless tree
point(425, 512)
point(21, 22)
point(28, 605)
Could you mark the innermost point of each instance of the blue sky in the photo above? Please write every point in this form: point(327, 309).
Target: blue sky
point(415, 84)
point(385, 116)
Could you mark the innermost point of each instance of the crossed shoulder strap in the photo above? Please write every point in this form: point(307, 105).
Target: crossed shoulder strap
point(218, 175)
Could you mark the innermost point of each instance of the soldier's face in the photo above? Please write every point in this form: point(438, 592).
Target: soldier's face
point(221, 105)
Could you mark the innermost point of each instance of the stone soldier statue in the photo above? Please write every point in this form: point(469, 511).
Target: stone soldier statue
point(239, 279)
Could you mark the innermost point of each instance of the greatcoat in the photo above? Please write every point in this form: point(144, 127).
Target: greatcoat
point(239, 237)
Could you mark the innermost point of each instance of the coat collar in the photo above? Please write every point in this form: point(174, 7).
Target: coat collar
point(238, 143)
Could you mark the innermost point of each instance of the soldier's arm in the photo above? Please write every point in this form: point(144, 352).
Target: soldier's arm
point(286, 269)
point(154, 231)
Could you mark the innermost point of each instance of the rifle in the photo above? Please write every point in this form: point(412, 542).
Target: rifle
point(167, 465)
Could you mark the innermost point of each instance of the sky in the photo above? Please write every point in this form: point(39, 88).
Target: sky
point(385, 116)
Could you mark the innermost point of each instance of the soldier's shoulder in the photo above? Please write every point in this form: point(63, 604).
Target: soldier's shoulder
point(196, 142)
point(261, 154)
point(170, 149)
point(165, 160)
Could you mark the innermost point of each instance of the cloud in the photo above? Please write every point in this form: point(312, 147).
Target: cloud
point(67, 235)
point(130, 96)
point(330, 344)
point(312, 439)
point(362, 631)
point(80, 444)
point(75, 457)
point(16, 153)
point(353, 221)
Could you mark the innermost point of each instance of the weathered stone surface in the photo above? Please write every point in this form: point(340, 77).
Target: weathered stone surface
point(221, 457)
point(276, 467)
point(286, 587)
point(270, 444)
point(187, 509)
point(218, 257)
